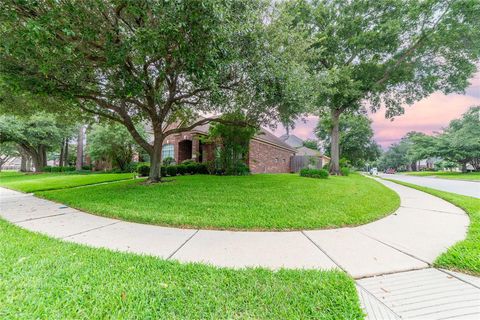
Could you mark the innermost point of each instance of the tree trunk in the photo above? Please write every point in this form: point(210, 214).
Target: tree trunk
point(79, 162)
point(62, 157)
point(29, 164)
point(65, 153)
point(23, 163)
point(335, 143)
point(156, 160)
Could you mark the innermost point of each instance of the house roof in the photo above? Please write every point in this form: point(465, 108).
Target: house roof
point(269, 137)
point(263, 135)
point(292, 140)
point(304, 151)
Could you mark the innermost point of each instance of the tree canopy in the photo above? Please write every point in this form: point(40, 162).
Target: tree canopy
point(356, 138)
point(160, 62)
point(111, 142)
point(34, 135)
point(458, 143)
point(384, 53)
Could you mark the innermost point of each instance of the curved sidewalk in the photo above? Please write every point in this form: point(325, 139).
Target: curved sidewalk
point(411, 238)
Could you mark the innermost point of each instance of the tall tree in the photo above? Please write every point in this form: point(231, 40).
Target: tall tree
point(111, 142)
point(460, 141)
point(80, 138)
point(384, 53)
point(356, 142)
point(34, 135)
point(161, 62)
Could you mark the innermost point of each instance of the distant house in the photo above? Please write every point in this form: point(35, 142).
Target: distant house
point(267, 153)
point(304, 156)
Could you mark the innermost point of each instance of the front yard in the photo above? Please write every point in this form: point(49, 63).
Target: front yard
point(256, 202)
point(472, 176)
point(33, 182)
point(43, 278)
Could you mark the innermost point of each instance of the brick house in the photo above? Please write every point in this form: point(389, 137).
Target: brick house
point(267, 153)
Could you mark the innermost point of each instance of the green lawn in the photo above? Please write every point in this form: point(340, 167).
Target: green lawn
point(474, 176)
point(32, 182)
point(465, 255)
point(43, 278)
point(260, 202)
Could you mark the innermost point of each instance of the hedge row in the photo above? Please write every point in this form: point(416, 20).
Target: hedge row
point(58, 169)
point(191, 168)
point(314, 173)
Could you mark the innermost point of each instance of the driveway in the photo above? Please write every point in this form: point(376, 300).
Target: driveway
point(466, 188)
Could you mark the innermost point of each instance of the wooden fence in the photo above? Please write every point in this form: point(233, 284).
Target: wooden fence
point(300, 162)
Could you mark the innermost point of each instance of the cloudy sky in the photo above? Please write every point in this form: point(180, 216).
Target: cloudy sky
point(428, 115)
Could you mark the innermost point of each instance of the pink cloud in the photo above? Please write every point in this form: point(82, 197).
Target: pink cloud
point(428, 115)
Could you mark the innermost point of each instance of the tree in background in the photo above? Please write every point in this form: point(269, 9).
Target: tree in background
point(311, 144)
point(384, 53)
point(160, 62)
point(111, 142)
point(8, 151)
point(233, 144)
point(458, 144)
point(34, 135)
point(460, 141)
point(22, 104)
point(356, 143)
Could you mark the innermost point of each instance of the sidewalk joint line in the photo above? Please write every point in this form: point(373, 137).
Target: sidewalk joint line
point(457, 277)
point(39, 218)
point(439, 211)
point(85, 231)
point(391, 246)
point(182, 245)
point(324, 252)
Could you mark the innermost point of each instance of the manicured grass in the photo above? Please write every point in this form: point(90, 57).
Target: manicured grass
point(464, 255)
point(43, 278)
point(261, 202)
point(474, 176)
point(32, 182)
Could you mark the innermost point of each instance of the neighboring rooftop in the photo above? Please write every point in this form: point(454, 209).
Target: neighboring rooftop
point(292, 140)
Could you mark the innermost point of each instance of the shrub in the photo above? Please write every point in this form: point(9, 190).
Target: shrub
point(202, 168)
point(241, 169)
point(168, 161)
point(143, 170)
point(131, 167)
point(67, 169)
point(314, 173)
point(89, 167)
point(345, 171)
point(188, 161)
point(182, 169)
point(191, 168)
point(172, 171)
point(47, 169)
point(163, 171)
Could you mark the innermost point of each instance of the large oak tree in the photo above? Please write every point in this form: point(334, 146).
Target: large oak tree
point(162, 63)
point(384, 52)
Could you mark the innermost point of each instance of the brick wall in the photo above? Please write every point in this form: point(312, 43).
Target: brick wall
point(266, 158)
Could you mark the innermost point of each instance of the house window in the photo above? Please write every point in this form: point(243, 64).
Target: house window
point(168, 151)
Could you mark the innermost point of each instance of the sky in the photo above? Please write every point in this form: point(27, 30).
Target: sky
point(428, 115)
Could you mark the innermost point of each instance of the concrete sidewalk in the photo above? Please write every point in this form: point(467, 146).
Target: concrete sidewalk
point(411, 238)
point(390, 258)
